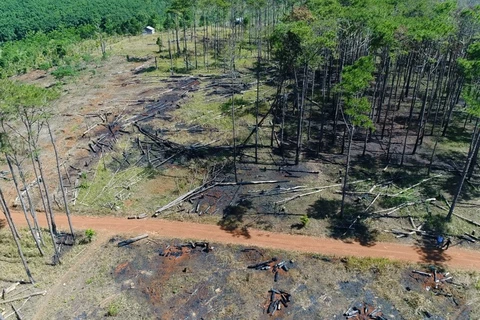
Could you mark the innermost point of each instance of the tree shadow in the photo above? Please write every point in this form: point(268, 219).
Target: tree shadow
point(352, 224)
point(3, 223)
point(426, 246)
point(145, 70)
point(232, 220)
point(458, 134)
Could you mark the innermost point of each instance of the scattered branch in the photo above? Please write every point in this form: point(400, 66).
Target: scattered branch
point(40, 293)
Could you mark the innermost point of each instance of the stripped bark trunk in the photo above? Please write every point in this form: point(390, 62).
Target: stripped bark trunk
point(6, 211)
point(347, 168)
point(475, 143)
point(29, 198)
point(65, 202)
point(24, 208)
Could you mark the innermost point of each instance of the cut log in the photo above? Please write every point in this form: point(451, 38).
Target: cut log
point(132, 240)
point(142, 216)
point(422, 273)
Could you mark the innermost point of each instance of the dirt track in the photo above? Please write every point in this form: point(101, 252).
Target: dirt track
point(454, 257)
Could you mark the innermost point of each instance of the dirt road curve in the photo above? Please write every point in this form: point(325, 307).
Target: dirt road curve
point(454, 257)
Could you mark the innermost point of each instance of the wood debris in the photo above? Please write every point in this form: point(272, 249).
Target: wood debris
point(436, 282)
point(364, 312)
point(278, 298)
point(131, 240)
point(275, 266)
point(180, 250)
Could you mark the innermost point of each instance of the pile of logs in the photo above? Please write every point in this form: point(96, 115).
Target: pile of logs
point(272, 265)
point(180, 250)
point(434, 281)
point(364, 312)
point(277, 299)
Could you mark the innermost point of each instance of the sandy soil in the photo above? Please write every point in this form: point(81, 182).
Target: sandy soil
point(454, 257)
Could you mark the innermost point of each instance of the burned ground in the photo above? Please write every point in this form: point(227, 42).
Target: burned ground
point(171, 279)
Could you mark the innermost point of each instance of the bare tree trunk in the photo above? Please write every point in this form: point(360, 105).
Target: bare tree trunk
point(259, 47)
point(47, 195)
point(195, 35)
point(234, 137)
point(170, 53)
point(475, 143)
point(47, 207)
point(29, 198)
point(24, 208)
point(6, 211)
point(300, 114)
point(176, 36)
point(67, 210)
point(421, 120)
point(347, 167)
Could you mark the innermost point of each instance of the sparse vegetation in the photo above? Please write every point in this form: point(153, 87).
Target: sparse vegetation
point(89, 235)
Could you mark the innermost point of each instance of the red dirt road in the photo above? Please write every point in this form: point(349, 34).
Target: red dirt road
point(453, 257)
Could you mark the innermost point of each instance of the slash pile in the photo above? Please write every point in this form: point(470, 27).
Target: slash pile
point(277, 299)
point(364, 312)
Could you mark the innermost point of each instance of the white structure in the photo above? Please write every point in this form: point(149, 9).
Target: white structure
point(149, 30)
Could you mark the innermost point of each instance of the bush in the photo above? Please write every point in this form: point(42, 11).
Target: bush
point(112, 310)
point(64, 71)
point(304, 220)
point(89, 234)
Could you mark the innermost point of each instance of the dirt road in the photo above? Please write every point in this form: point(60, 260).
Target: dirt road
point(454, 257)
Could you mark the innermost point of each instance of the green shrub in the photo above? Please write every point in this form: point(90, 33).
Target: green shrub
point(304, 220)
point(64, 71)
point(112, 310)
point(89, 234)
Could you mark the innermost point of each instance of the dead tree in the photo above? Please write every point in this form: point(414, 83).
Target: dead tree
point(22, 203)
point(475, 143)
point(11, 224)
point(29, 197)
point(67, 211)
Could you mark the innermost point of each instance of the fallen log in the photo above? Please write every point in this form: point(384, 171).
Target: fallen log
point(131, 240)
point(472, 236)
point(417, 184)
point(319, 189)
point(468, 220)
point(42, 293)
point(9, 289)
point(403, 232)
point(182, 198)
point(403, 205)
point(422, 273)
point(467, 238)
point(17, 313)
point(243, 183)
